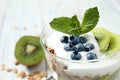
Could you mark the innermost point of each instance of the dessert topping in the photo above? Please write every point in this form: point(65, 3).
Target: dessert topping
point(64, 39)
point(76, 55)
point(91, 56)
point(89, 46)
point(82, 40)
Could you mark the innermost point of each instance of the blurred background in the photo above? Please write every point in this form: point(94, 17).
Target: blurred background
point(27, 17)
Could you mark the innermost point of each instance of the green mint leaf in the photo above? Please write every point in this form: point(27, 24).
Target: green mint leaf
point(90, 20)
point(72, 25)
point(75, 21)
point(66, 25)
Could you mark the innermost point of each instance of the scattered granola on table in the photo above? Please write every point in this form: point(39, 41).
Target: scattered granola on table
point(16, 63)
point(35, 75)
point(8, 69)
point(2, 67)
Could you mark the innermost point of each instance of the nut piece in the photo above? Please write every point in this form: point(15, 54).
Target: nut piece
point(52, 51)
point(36, 72)
point(2, 67)
point(36, 75)
point(15, 70)
point(9, 70)
point(31, 74)
point(17, 75)
point(31, 78)
point(16, 63)
point(41, 75)
point(22, 74)
point(45, 74)
point(38, 78)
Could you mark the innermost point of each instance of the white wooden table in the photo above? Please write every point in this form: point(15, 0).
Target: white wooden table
point(27, 17)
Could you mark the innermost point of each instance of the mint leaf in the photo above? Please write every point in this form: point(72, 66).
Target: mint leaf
point(75, 21)
point(66, 25)
point(72, 25)
point(90, 20)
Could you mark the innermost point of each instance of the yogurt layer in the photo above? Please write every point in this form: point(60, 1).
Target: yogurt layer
point(85, 68)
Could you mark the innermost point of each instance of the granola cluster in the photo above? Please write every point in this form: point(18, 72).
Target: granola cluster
point(36, 75)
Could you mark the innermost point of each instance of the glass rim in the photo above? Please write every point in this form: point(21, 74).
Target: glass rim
point(74, 61)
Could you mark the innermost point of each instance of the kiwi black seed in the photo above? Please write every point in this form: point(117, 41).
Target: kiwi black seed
point(114, 44)
point(103, 37)
point(28, 50)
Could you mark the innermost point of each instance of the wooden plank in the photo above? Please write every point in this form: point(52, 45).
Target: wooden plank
point(27, 17)
point(3, 9)
point(23, 17)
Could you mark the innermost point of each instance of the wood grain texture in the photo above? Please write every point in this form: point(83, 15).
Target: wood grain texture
point(28, 17)
point(19, 17)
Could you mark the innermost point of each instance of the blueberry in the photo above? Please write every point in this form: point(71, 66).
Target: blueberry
point(89, 47)
point(75, 52)
point(64, 39)
point(75, 56)
point(82, 40)
point(74, 39)
point(79, 47)
point(68, 47)
point(91, 56)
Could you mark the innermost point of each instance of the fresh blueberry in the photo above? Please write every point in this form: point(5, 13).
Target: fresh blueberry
point(79, 47)
point(68, 47)
point(74, 39)
point(75, 56)
point(75, 52)
point(82, 40)
point(64, 39)
point(91, 56)
point(89, 47)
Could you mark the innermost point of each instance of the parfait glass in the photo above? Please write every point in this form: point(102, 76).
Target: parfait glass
point(64, 69)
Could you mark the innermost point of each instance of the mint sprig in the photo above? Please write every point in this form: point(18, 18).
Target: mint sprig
point(66, 25)
point(72, 25)
point(90, 19)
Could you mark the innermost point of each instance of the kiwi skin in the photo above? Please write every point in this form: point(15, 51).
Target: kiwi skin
point(103, 37)
point(108, 42)
point(29, 59)
point(114, 44)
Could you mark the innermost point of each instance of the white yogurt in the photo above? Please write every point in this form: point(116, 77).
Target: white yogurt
point(83, 69)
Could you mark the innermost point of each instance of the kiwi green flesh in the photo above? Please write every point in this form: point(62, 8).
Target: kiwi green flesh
point(103, 37)
point(33, 56)
point(114, 44)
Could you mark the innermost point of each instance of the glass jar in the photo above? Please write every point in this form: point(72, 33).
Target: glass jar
point(65, 69)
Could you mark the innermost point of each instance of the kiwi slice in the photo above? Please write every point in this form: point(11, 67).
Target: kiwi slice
point(103, 37)
point(28, 50)
point(114, 44)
